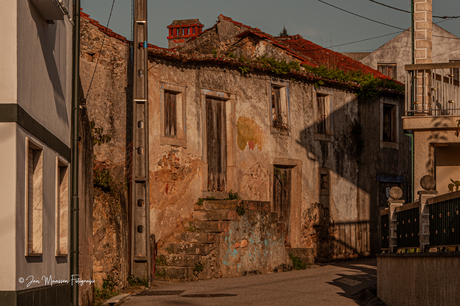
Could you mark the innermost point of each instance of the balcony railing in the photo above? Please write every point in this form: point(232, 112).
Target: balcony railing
point(433, 89)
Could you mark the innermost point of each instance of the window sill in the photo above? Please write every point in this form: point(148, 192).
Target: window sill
point(275, 130)
point(62, 255)
point(323, 137)
point(391, 145)
point(34, 254)
point(173, 142)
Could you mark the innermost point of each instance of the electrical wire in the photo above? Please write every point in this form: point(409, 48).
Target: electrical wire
point(99, 55)
point(405, 11)
point(388, 25)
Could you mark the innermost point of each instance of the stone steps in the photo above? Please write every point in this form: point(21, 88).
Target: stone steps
point(215, 215)
point(188, 248)
point(178, 260)
point(197, 237)
point(189, 252)
point(207, 226)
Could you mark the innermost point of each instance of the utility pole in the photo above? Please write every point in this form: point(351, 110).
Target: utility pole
point(140, 211)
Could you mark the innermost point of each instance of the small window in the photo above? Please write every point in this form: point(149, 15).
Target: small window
point(62, 208)
point(193, 30)
point(323, 118)
point(173, 131)
point(324, 184)
point(279, 108)
point(388, 69)
point(389, 123)
point(34, 199)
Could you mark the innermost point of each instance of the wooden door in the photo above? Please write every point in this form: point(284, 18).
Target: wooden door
point(282, 198)
point(216, 144)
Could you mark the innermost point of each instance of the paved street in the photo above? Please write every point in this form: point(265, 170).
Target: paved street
point(331, 284)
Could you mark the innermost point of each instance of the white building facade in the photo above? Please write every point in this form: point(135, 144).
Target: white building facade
point(35, 139)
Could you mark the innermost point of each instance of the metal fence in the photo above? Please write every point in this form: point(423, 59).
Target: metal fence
point(408, 226)
point(384, 231)
point(445, 223)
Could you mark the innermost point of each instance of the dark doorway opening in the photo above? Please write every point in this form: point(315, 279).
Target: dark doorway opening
point(282, 183)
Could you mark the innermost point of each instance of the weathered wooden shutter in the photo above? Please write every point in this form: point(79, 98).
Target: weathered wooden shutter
point(321, 126)
point(282, 198)
point(170, 112)
point(216, 138)
point(276, 106)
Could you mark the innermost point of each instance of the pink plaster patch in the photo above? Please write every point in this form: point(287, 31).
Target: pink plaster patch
point(237, 245)
point(244, 243)
point(251, 144)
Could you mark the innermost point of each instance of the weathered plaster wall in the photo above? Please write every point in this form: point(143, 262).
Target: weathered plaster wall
point(251, 244)
point(376, 158)
point(335, 223)
point(108, 106)
point(398, 50)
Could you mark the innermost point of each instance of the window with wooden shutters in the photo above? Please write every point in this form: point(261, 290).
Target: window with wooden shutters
point(62, 208)
point(172, 119)
point(170, 113)
point(323, 120)
point(282, 197)
point(34, 199)
point(388, 70)
point(389, 123)
point(279, 108)
point(216, 144)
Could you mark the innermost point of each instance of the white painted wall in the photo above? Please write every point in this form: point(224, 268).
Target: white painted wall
point(49, 265)
point(7, 205)
point(44, 69)
point(8, 47)
point(446, 46)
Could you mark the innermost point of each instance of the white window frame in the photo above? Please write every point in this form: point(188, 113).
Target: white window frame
point(60, 163)
point(35, 146)
point(284, 104)
point(329, 135)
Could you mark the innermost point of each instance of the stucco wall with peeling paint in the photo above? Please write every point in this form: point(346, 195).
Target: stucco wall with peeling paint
point(339, 224)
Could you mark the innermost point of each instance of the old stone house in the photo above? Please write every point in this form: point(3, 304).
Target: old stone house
point(232, 110)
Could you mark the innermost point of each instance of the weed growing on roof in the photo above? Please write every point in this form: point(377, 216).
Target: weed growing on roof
point(277, 66)
point(369, 83)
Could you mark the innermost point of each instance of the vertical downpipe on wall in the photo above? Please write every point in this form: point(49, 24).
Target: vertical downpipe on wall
point(411, 136)
point(74, 219)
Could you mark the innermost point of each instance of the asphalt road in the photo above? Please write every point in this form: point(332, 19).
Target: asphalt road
point(329, 284)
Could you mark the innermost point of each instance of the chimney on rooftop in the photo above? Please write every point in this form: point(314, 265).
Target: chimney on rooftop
point(423, 31)
point(180, 31)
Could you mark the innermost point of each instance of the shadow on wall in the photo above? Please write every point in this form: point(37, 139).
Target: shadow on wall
point(333, 240)
point(47, 35)
point(354, 155)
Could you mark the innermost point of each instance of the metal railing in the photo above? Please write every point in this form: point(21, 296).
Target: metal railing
point(385, 230)
point(445, 223)
point(432, 89)
point(422, 225)
point(408, 226)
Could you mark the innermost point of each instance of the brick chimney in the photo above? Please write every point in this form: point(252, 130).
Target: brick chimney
point(180, 31)
point(423, 31)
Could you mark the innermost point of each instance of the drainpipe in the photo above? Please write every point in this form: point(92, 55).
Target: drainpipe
point(74, 205)
point(411, 135)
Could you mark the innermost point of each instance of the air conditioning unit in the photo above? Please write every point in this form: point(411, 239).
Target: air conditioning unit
point(50, 9)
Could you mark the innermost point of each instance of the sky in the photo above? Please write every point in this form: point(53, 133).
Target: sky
point(313, 19)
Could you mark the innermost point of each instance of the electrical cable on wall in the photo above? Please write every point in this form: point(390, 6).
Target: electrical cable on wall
point(99, 55)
